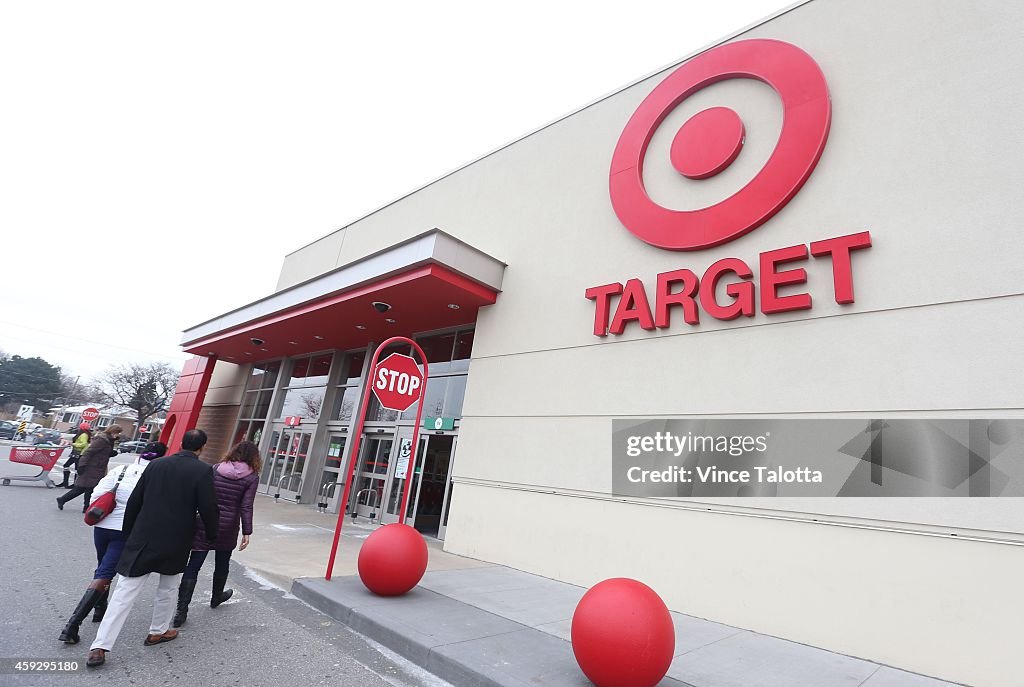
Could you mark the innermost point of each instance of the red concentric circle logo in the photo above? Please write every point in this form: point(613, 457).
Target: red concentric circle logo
point(712, 139)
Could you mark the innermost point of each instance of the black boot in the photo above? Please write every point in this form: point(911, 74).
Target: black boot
point(64, 484)
point(101, 606)
point(220, 595)
point(185, 590)
point(69, 635)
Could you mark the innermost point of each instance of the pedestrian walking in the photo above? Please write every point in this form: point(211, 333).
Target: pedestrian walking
point(92, 466)
point(108, 537)
point(159, 524)
point(235, 479)
point(79, 443)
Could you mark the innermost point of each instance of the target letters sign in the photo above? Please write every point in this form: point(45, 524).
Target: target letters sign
point(703, 147)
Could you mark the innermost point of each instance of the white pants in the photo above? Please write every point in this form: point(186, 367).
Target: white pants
point(122, 598)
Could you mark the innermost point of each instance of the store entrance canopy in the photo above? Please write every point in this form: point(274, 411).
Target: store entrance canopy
point(430, 282)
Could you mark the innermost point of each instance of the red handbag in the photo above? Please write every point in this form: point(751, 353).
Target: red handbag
point(104, 504)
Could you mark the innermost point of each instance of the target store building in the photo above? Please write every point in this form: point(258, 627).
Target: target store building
point(818, 216)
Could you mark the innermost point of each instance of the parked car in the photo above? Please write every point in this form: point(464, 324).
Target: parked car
point(7, 429)
point(29, 429)
point(44, 436)
point(131, 446)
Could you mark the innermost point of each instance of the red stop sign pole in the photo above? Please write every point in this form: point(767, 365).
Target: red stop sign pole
point(397, 383)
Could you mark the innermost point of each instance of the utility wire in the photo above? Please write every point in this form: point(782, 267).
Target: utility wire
point(79, 350)
point(80, 338)
point(5, 371)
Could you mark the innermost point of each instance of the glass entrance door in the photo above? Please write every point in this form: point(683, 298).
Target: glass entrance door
point(372, 477)
point(331, 484)
point(434, 484)
point(285, 468)
point(402, 469)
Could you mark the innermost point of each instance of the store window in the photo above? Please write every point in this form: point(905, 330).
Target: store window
point(263, 375)
point(259, 390)
point(448, 356)
point(307, 387)
point(347, 397)
point(374, 411)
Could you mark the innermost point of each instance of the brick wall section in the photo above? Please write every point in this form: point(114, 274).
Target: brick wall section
point(218, 422)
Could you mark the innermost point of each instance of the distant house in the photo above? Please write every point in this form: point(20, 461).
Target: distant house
point(71, 417)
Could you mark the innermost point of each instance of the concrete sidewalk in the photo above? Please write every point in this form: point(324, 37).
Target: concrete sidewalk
point(489, 625)
point(291, 541)
point(475, 623)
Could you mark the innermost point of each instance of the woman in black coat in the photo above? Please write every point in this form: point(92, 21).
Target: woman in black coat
point(235, 479)
point(92, 466)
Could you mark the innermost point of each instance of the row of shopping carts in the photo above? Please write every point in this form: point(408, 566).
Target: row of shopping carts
point(42, 457)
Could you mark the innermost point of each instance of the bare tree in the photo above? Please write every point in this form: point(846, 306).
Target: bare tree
point(146, 389)
point(312, 404)
point(72, 390)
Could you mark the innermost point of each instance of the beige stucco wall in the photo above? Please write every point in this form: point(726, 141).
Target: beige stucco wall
point(925, 153)
point(226, 384)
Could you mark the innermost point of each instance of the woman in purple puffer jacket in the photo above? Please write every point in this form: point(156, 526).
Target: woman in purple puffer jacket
point(235, 479)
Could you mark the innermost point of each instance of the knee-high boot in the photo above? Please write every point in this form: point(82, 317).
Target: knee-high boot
point(220, 595)
point(101, 605)
point(185, 590)
point(97, 588)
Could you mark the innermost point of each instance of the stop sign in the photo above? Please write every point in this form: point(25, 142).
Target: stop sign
point(90, 414)
point(397, 382)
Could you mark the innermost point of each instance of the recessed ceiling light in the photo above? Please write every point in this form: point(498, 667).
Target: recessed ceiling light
point(389, 320)
point(294, 343)
point(318, 337)
point(453, 306)
point(360, 326)
point(211, 353)
point(264, 350)
point(248, 353)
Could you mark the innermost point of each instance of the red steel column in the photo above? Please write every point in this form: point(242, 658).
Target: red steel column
point(183, 413)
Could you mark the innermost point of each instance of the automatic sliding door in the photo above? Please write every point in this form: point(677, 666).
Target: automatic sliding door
point(293, 471)
point(448, 487)
point(373, 475)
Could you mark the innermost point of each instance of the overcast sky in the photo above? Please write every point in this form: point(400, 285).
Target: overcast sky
point(159, 160)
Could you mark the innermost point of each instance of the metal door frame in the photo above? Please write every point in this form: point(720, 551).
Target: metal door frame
point(366, 505)
point(293, 487)
point(271, 455)
point(328, 497)
point(402, 435)
point(442, 527)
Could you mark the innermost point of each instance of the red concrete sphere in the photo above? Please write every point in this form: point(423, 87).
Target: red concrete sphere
point(622, 634)
point(392, 560)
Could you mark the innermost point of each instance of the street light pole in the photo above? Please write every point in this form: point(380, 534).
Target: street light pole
point(64, 402)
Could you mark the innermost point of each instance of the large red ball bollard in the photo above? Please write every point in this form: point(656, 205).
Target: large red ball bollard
point(392, 560)
point(622, 634)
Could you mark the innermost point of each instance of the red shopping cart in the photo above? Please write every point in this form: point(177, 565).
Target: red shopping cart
point(43, 458)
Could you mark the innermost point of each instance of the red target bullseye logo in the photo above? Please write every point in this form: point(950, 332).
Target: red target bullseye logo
point(709, 141)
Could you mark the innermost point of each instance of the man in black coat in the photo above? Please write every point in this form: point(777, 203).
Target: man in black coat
point(159, 522)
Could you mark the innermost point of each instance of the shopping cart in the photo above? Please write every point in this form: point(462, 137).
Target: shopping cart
point(44, 458)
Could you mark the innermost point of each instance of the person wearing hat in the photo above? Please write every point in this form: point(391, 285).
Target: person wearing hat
point(79, 443)
point(109, 539)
